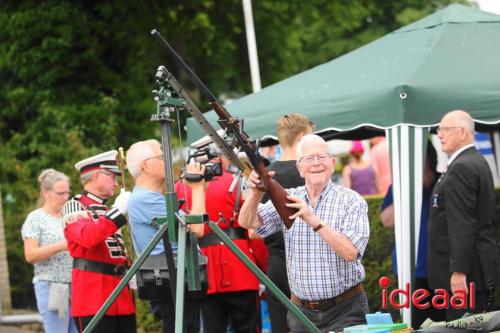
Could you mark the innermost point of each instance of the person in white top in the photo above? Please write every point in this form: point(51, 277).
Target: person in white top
point(46, 248)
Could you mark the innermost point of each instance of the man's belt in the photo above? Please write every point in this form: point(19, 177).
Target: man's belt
point(328, 303)
point(212, 239)
point(99, 267)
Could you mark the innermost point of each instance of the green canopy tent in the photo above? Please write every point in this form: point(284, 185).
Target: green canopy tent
point(402, 83)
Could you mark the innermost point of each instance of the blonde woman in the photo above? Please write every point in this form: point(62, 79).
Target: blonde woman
point(46, 248)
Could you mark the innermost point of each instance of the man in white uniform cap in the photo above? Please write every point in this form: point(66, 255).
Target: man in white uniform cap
point(98, 249)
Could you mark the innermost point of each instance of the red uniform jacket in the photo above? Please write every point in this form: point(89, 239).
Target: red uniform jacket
point(226, 272)
point(96, 238)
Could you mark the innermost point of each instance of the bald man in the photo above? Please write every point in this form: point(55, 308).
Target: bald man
point(462, 246)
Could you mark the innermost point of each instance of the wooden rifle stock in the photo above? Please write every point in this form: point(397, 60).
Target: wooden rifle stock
point(277, 194)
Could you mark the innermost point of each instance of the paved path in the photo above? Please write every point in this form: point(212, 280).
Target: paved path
point(13, 329)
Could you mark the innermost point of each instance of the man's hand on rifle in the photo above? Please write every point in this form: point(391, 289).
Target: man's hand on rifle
point(254, 180)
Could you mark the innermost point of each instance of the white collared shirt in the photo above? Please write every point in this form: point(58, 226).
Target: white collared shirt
point(455, 154)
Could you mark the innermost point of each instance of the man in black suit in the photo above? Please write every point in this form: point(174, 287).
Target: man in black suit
point(462, 246)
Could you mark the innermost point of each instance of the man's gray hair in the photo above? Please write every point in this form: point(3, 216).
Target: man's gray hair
point(87, 177)
point(138, 153)
point(306, 140)
point(464, 119)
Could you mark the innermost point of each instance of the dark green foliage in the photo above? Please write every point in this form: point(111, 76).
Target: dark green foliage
point(145, 319)
point(377, 259)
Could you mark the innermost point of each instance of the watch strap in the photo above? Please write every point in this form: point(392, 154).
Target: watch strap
point(319, 226)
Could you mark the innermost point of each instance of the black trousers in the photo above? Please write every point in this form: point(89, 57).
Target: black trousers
point(108, 324)
point(418, 316)
point(165, 311)
point(240, 308)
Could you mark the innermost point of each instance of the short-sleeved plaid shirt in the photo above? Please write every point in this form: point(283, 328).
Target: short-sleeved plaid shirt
point(315, 271)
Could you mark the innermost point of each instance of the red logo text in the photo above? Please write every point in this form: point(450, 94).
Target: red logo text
point(420, 297)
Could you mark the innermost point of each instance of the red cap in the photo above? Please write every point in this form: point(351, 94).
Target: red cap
point(357, 147)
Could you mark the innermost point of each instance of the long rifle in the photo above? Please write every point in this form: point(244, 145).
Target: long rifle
point(249, 146)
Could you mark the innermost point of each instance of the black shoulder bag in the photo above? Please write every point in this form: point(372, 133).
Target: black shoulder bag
point(153, 283)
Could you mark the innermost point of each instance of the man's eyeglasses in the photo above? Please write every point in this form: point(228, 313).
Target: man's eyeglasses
point(112, 175)
point(446, 129)
point(157, 157)
point(320, 157)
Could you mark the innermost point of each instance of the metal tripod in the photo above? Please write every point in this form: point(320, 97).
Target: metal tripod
point(168, 102)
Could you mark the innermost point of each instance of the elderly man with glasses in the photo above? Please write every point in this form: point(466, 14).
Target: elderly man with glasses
point(145, 163)
point(325, 244)
point(100, 258)
point(462, 246)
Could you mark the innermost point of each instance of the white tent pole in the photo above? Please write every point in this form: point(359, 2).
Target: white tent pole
point(399, 226)
point(405, 269)
point(251, 45)
point(407, 143)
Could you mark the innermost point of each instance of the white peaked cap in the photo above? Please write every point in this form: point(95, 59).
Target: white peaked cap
point(105, 161)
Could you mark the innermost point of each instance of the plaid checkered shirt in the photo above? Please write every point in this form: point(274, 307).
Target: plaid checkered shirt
point(315, 271)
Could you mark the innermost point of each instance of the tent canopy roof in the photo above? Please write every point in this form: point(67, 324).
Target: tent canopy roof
point(453, 14)
point(414, 75)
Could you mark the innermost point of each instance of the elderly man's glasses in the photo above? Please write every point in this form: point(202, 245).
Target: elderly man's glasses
point(157, 157)
point(446, 129)
point(62, 194)
point(319, 157)
point(110, 174)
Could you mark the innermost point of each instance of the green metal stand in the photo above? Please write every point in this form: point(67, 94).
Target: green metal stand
point(187, 256)
point(263, 278)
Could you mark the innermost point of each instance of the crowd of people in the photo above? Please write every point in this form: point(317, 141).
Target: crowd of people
point(79, 255)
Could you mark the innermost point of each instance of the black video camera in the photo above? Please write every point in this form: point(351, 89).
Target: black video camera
point(203, 155)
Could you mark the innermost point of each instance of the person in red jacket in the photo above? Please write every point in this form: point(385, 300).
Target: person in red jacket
point(232, 295)
point(97, 247)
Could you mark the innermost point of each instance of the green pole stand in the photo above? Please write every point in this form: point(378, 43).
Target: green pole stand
point(263, 278)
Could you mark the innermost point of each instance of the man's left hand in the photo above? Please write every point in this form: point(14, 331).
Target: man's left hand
point(458, 282)
point(303, 210)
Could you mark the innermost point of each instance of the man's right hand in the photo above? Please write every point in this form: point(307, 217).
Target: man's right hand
point(195, 168)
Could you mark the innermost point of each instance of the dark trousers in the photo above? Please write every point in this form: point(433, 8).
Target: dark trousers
point(165, 311)
point(418, 316)
point(348, 313)
point(108, 324)
point(276, 271)
point(240, 308)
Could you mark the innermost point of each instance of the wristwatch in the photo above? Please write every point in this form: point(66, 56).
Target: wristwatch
point(319, 226)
